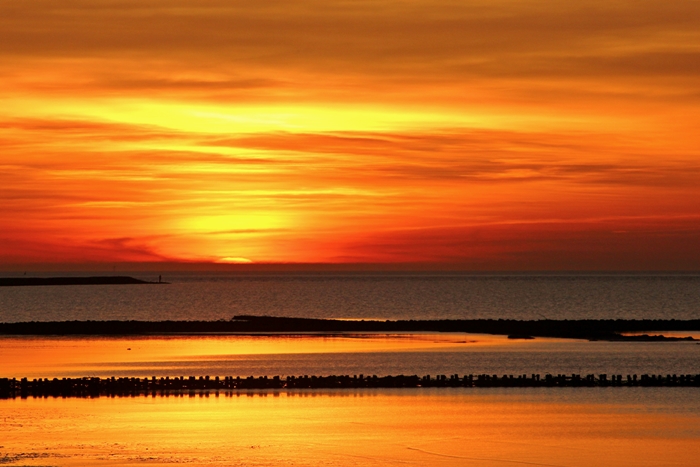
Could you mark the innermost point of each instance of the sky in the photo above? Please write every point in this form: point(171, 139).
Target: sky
point(472, 135)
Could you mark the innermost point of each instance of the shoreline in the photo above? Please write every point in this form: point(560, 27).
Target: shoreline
point(605, 330)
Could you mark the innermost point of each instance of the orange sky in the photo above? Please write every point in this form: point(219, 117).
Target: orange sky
point(481, 135)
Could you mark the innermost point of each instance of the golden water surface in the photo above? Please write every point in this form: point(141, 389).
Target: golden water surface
point(56, 357)
point(563, 427)
point(442, 427)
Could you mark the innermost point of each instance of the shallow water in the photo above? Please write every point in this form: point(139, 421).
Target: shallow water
point(452, 427)
point(212, 296)
point(447, 427)
point(380, 354)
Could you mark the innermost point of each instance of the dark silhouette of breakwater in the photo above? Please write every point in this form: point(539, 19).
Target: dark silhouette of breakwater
point(95, 280)
point(97, 387)
point(591, 329)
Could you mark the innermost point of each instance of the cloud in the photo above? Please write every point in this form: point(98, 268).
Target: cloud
point(71, 250)
point(338, 30)
point(594, 244)
point(245, 51)
point(316, 129)
point(480, 156)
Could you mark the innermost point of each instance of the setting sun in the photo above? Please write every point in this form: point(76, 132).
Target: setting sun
point(430, 133)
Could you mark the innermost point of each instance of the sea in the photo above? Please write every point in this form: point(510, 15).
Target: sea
point(355, 296)
point(369, 295)
point(565, 427)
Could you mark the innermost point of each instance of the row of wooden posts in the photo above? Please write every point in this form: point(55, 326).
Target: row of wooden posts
point(95, 387)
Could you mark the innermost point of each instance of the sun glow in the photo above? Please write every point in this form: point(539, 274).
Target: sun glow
point(242, 222)
point(234, 260)
point(404, 143)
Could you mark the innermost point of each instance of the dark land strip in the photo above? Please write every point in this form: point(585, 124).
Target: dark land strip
point(590, 329)
point(204, 385)
point(95, 280)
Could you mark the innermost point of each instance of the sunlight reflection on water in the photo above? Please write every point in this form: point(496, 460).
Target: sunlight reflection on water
point(263, 355)
point(451, 427)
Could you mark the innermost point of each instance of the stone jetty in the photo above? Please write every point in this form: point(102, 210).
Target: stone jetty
point(92, 280)
point(163, 386)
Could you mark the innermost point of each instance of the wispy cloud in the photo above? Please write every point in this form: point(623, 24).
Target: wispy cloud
point(488, 132)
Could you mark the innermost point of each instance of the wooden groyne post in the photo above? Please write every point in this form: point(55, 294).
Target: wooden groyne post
point(125, 386)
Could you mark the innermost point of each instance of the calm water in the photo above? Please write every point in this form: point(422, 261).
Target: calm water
point(495, 428)
point(381, 296)
point(427, 354)
point(421, 427)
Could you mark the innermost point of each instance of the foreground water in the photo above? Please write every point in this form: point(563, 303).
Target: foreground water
point(451, 427)
point(212, 296)
point(448, 427)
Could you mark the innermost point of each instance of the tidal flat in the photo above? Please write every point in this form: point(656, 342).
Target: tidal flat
point(443, 427)
point(567, 427)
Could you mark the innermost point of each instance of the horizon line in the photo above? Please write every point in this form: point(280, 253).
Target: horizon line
point(203, 266)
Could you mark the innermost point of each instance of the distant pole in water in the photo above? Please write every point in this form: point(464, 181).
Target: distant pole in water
point(159, 277)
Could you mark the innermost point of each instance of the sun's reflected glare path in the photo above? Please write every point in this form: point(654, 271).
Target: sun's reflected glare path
point(622, 427)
